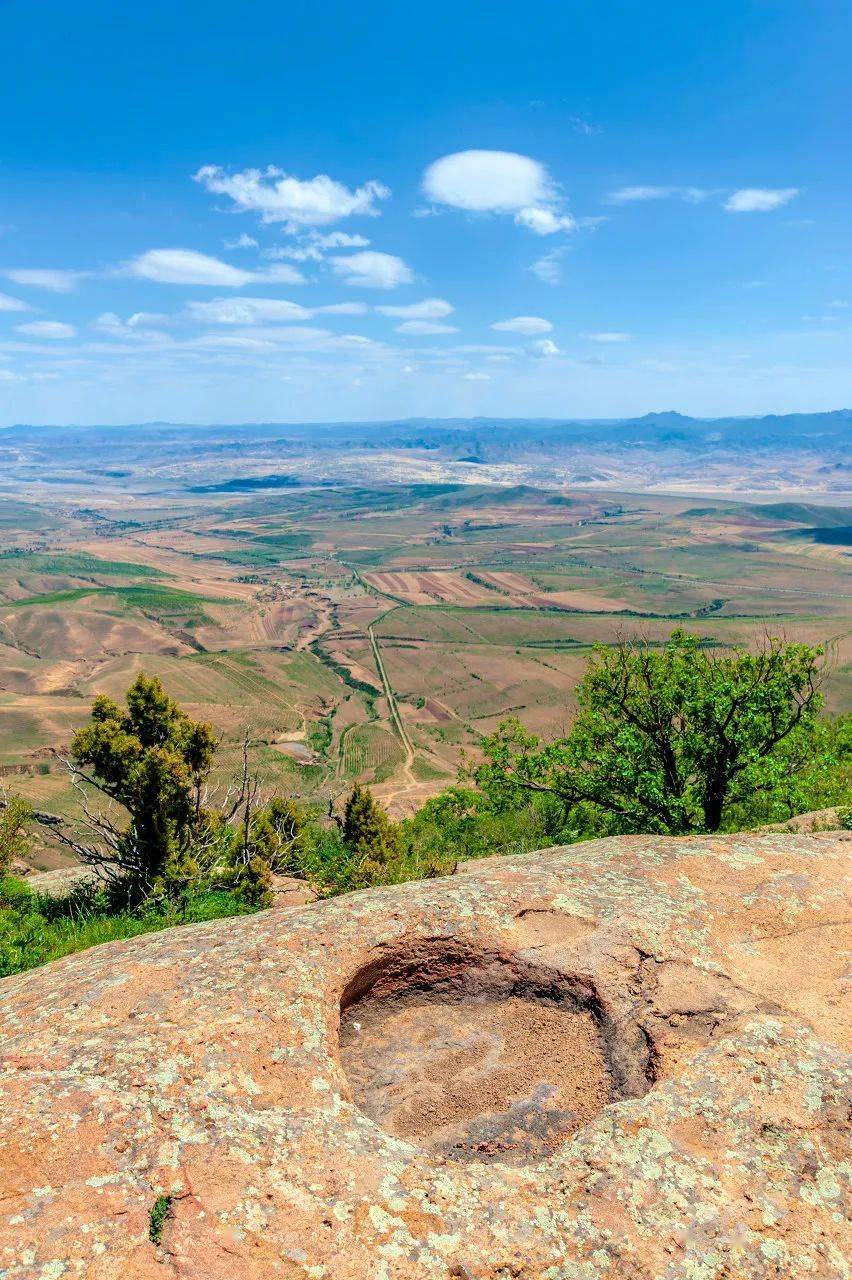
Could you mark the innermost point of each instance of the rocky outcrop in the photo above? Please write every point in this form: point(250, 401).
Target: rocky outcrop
point(625, 1059)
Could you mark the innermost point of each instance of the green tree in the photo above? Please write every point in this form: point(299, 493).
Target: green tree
point(271, 841)
point(15, 818)
point(152, 759)
point(669, 739)
point(374, 841)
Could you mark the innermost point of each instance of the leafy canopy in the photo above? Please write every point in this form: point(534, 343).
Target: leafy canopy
point(371, 837)
point(14, 832)
point(668, 740)
point(152, 759)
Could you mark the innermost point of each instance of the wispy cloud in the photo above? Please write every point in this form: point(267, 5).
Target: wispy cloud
point(372, 270)
point(56, 281)
point(528, 325)
point(253, 311)
point(586, 127)
point(549, 268)
point(135, 329)
point(244, 311)
point(544, 222)
point(626, 195)
point(242, 242)
point(425, 327)
point(12, 304)
point(279, 197)
point(47, 329)
point(187, 266)
point(428, 309)
point(635, 194)
point(759, 199)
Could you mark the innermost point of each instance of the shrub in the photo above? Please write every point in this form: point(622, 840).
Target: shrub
point(15, 821)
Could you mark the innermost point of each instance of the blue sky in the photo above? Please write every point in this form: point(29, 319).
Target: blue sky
point(292, 212)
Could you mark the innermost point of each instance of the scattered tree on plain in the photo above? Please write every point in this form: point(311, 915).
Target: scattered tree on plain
point(669, 739)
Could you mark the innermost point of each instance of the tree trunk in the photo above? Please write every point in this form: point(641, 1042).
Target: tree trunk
point(714, 803)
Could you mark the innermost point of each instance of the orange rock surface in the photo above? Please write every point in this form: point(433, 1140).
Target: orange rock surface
point(623, 1060)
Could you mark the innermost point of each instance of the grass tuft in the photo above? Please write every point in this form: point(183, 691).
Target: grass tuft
point(160, 1211)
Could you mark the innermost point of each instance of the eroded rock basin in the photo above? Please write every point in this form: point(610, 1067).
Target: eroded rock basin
point(475, 1056)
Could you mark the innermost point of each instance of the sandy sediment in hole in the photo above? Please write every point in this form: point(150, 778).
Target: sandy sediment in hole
point(475, 1053)
point(510, 1077)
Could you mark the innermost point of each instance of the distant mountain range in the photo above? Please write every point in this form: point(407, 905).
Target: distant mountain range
point(800, 451)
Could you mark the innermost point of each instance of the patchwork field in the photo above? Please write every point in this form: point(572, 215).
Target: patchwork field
point(376, 634)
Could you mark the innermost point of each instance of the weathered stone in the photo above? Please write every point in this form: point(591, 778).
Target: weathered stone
point(287, 891)
point(625, 1059)
point(60, 882)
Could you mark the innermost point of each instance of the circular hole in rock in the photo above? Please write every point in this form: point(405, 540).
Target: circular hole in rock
point(477, 1054)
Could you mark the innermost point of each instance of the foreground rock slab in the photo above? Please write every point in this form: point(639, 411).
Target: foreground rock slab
point(625, 1059)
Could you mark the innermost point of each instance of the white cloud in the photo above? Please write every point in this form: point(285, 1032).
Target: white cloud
point(313, 247)
point(487, 181)
point(251, 311)
point(498, 182)
point(12, 304)
point(607, 336)
point(47, 329)
point(147, 318)
point(759, 199)
point(301, 252)
point(425, 327)
point(246, 311)
point(46, 278)
point(478, 377)
point(371, 270)
point(242, 241)
point(279, 197)
point(695, 195)
point(339, 240)
point(547, 268)
point(528, 325)
point(110, 322)
point(343, 309)
point(134, 328)
point(630, 195)
point(626, 195)
point(546, 347)
point(544, 222)
point(428, 309)
point(187, 266)
point(299, 336)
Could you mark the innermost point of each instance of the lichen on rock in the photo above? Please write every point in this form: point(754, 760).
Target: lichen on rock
point(627, 1058)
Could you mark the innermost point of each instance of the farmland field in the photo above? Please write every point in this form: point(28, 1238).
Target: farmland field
point(376, 634)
